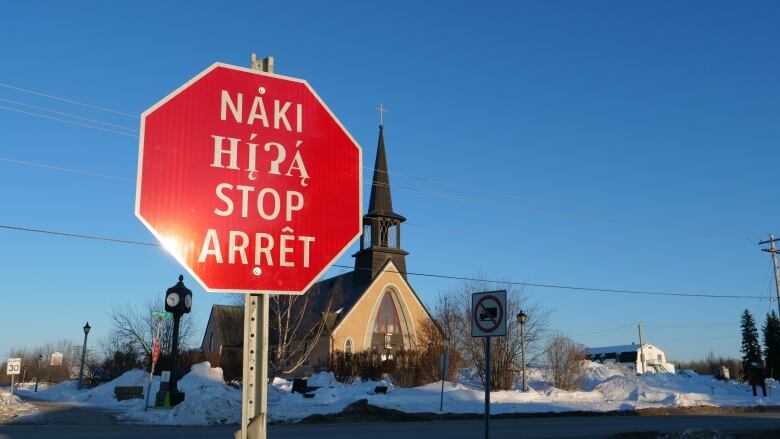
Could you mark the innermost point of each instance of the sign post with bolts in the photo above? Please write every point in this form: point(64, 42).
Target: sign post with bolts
point(249, 180)
point(488, 319)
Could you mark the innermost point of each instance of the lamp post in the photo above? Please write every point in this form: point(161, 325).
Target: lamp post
point(521, 318)
point(83, 354)
point(38, 372)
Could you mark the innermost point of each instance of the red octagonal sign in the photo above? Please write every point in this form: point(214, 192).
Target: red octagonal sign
point(249, 180)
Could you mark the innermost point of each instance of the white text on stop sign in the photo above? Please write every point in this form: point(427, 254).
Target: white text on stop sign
point(265, 203)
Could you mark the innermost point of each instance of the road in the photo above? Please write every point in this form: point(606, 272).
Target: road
point(526, 428)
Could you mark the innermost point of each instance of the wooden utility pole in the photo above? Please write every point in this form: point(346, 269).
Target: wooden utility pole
point(641, 349)
point(774, 251)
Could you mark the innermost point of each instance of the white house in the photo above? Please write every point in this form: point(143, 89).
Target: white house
point(630, 355)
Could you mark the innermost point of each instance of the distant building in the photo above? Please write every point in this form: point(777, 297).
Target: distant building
point(371, 308)
point(630, 356)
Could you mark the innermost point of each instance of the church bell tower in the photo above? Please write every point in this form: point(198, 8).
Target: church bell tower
point(381, 239)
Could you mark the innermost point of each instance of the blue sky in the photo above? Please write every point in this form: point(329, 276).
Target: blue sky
point(604, 144)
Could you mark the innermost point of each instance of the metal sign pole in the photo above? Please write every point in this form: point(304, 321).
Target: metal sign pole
point(254, 398)
point(444, 361)
point(254, 407)
point(12, 389)
point(487, 387)
point(151, 370)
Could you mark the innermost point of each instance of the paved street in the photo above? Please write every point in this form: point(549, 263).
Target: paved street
point(565, 427)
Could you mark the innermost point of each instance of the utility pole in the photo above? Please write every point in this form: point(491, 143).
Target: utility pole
point(641, 349)
point(773, 251)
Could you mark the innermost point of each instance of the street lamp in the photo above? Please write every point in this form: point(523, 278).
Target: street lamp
point(38, 372)
point(83, 354)
point(521, 318)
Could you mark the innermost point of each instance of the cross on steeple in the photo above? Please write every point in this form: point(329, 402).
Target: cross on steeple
point(382, 110)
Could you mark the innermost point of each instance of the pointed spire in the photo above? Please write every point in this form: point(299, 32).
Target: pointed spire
point(381, 203)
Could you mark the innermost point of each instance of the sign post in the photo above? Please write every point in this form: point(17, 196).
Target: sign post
point(155, 351)
point(252, 184)
point(13, 368)
point(488, 319)
point(443, 360)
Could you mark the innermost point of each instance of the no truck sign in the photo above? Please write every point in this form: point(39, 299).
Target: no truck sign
point(488, 314)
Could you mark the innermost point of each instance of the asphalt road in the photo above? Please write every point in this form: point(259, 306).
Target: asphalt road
point(527, 428)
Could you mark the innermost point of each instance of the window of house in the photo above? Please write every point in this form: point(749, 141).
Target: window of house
point(387, 317)
point(348, 346)
point(660, 357)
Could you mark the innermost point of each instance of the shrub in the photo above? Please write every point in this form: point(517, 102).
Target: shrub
point(565, 363)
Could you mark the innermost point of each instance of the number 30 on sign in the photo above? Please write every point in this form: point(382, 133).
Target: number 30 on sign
point(14, 366)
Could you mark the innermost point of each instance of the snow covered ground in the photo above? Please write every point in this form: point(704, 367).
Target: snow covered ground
point(210, 401)
point(12, 407)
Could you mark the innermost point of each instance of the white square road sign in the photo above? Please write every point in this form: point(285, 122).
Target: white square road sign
point(14, 366)
point(488, 314)
point(56, 359)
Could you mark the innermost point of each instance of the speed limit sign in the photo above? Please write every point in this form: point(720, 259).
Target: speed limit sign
point(14, 366)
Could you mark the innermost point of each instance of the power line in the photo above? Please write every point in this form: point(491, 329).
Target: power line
point(70, 101)
point(399, 174)
point(76, 235)
point(565, 287)
point(411, 273)
point(62, 113)
point(30, 113)
point(59, 168)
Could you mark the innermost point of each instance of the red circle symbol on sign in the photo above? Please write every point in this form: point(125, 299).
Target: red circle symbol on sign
point(488, 314)
point(249, 181)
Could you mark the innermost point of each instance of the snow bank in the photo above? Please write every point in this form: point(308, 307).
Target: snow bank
point(210, 401)
point(12, 407)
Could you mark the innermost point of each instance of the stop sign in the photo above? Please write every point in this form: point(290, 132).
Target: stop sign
point(249, 181)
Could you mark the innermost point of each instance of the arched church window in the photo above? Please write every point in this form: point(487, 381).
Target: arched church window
point(348, 345)
point(386, 321)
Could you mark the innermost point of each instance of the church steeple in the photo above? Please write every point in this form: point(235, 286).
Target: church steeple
point(381, 240)
point(381, 202)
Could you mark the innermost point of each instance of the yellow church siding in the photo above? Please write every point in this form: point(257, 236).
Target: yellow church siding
point(357, 324)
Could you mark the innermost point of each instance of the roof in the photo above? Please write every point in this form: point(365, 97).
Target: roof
point(229, 321)
point(614, 349)
point(334, 294)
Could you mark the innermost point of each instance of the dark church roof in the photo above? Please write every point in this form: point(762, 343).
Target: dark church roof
point(340, 292)
point(381, 203)
point(230, 323)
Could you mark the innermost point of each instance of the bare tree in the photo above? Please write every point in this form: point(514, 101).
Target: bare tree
point(135, 328)
point(297, 323)
point(36, 361)
point(565, 362)
point(453, 314)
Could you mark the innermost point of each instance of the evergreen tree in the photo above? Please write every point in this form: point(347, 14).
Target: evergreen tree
point(751, 348)
point(771, 330)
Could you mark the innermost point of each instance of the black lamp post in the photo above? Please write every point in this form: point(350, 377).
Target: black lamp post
point(521, 318)
point(83, 354)
point(38, 373)
point(178, 301)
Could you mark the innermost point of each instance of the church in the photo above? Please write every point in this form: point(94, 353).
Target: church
point(370, 308)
